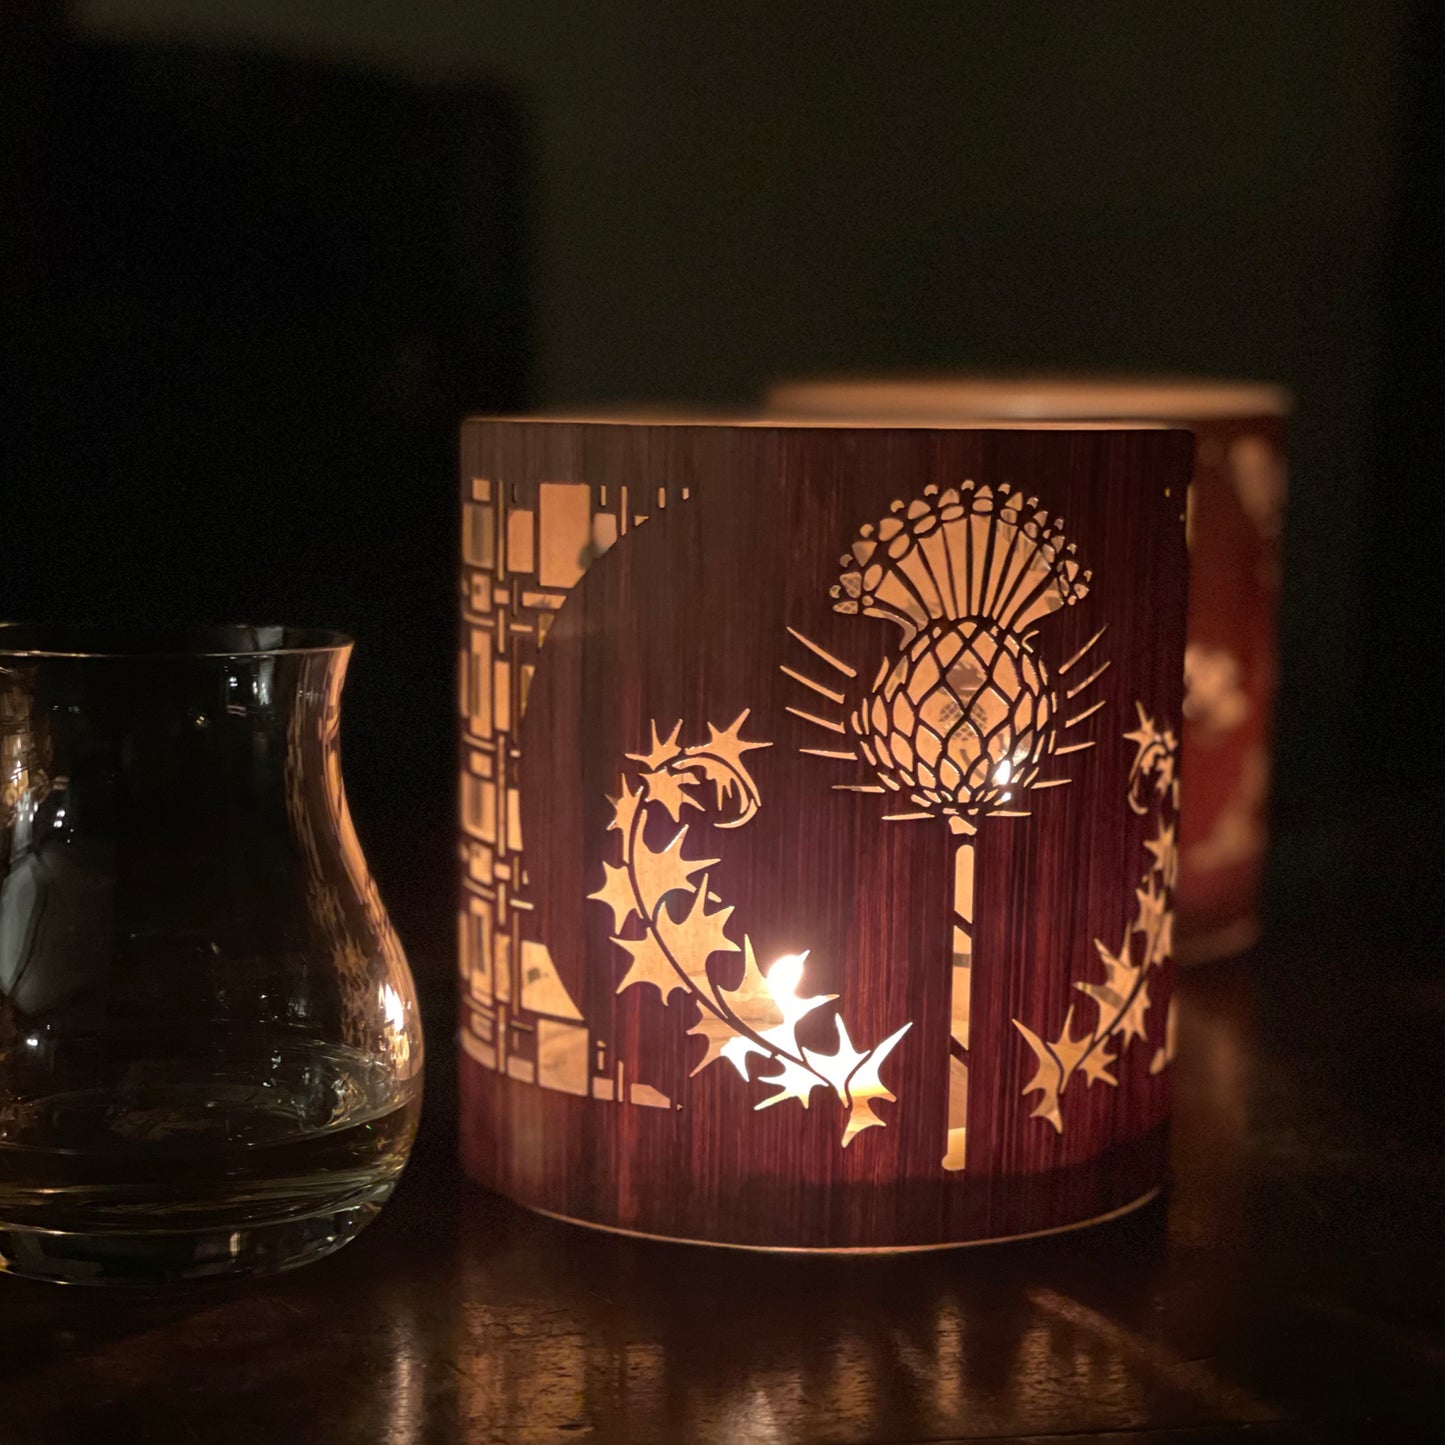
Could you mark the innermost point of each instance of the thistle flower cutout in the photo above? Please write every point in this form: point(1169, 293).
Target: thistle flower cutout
point(964, 717)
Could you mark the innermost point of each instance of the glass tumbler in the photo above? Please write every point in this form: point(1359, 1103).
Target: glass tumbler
point(210, 1051)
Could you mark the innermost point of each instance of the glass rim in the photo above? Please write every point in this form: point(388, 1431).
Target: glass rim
point(144, 643)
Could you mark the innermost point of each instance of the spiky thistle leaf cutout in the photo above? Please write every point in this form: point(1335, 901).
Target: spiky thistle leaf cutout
point(1121, 996)
point(670, 927)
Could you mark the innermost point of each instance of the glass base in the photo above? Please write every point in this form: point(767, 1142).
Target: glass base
point(149, 1258)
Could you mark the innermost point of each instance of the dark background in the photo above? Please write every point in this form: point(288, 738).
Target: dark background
point(261, 256)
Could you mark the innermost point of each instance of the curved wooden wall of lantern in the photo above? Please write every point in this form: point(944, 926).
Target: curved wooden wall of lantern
point(1237, 497)
point(818, 803)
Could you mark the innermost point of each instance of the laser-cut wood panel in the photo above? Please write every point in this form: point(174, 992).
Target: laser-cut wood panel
point(1236, 504)
point(724, 770)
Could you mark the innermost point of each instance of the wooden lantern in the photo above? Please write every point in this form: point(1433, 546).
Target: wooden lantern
point(818, 825)
point(1236, 513)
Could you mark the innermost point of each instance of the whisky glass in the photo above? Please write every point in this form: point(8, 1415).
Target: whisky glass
point(210, 1051)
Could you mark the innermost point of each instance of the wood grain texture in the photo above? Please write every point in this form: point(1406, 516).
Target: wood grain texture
point(686, 618)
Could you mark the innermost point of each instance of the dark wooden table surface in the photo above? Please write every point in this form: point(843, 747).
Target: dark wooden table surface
point(1290, 1287)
